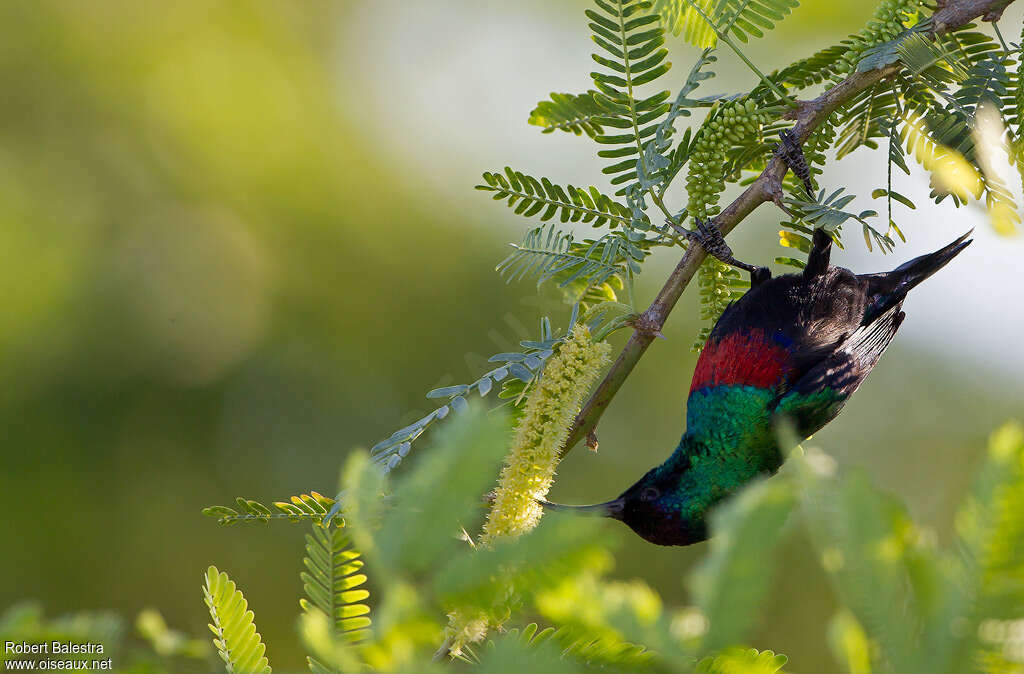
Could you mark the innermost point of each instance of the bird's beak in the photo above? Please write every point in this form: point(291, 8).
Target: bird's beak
point(612, 509)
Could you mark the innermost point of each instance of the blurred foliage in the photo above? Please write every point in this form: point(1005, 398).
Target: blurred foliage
point(908, 605)
point(216, 277)
point(205, 261)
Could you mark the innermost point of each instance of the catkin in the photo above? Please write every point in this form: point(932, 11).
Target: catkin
point(542, 430)
point(529, 468)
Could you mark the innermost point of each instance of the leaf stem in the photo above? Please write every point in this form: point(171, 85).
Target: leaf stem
point(995, 27)
point(732, 45)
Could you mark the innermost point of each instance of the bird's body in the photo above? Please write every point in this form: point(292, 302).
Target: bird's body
point(793, 348)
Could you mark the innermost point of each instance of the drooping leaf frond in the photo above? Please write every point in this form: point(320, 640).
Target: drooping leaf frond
point(986, 83)
point(946, 137)
point(990, 142)
point(986, 80)
point(547, 253)
point(948, 80)
point(1015, 116)
point(234, 633)
point(867, 116)
point(333, 584)
point(895, 157)
point(311, 507)
point(572, 113)
point(530, 197)
point(953, 173)
point(943, 145)
point(969, 46)
point(632, 53)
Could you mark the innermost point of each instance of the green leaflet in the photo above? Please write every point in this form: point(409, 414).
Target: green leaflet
point(742, 18)
point(531, 197)
point(572, 113)
point(632, 55)
point(549, 254)
point(234, 633)
point(333, 584)
point(304, 507)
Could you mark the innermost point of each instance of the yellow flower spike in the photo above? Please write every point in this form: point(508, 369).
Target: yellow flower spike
point(541, 433)
point(536, 448)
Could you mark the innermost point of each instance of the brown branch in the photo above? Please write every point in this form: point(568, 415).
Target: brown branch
point(809, 116)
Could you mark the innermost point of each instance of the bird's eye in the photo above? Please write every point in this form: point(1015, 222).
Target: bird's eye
point(649, 494)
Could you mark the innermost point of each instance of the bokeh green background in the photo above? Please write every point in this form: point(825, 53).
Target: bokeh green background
point(239, 239)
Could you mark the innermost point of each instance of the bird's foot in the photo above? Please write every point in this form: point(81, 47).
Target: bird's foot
point(707, 234)
point(793, 154)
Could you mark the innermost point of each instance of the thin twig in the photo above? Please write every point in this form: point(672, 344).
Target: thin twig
point(809, 115)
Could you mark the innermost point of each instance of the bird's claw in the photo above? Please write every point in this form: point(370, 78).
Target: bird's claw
point(791, 152)
point(709, 237)
point(707, 234)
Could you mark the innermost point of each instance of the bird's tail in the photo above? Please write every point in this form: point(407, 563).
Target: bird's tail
point(888, 289)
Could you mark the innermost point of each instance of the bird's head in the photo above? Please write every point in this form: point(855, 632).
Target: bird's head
point(653, 508)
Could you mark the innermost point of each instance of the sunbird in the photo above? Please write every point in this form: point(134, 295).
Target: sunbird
point(791, 350)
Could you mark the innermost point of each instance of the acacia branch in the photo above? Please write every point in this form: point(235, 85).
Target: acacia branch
point(809, 116)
